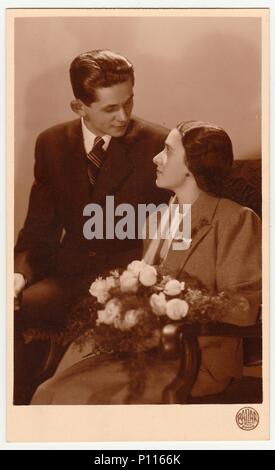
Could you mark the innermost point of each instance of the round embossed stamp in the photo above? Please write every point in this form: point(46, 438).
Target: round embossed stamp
point(247, 418)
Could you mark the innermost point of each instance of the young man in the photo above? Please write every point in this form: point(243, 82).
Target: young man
point(103, 153)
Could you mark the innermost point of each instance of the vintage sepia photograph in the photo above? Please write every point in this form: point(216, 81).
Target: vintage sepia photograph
point(138, 206)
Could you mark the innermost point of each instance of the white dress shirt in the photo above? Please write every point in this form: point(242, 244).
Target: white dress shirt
point(89, 138)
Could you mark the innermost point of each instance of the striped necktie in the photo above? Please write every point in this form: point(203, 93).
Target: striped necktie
point(95, 159)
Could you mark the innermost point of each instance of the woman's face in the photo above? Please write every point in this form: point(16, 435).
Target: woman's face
point(171, 168)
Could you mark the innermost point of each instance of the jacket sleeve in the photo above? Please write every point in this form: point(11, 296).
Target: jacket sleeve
point(239, 261)
point(37, 242)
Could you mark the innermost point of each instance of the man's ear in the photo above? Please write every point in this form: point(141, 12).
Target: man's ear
point(78, 107)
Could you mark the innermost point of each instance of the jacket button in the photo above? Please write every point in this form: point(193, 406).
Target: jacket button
point(91, 253)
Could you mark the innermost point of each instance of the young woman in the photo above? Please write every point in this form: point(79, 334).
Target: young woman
point(224, 255)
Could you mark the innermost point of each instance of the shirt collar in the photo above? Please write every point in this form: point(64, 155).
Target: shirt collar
point(89, 138)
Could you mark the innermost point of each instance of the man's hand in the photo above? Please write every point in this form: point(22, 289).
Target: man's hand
point(19, 284)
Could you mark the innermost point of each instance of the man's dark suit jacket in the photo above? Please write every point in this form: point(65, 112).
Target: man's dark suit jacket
point(62, 189)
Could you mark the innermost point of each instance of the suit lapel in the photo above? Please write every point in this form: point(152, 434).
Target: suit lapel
point(202, 213)
point(116, 168)
point(79, 189)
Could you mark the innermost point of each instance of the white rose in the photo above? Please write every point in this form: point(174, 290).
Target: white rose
point(97, 285)
point(158, 303)
point(101, 314)
point(111, 282)
point(174, 287)
point(148, 276)
point(99, 290)
point(130, 320)
point(176, 309)
point(103, 296)
point(136, 266)
point(110, 314)
point(128, 282)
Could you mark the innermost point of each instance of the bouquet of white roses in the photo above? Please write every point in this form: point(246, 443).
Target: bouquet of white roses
point(136, 293)
point(126, 310)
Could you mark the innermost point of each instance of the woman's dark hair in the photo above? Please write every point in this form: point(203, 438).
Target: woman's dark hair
point(209, 154)
point(98, 69)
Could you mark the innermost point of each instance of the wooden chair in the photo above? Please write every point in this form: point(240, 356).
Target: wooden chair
point(181, 339)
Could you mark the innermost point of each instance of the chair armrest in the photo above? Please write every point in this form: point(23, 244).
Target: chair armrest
point(172, 332)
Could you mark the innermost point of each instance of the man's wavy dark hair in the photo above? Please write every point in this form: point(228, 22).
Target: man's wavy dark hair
point(98, 69)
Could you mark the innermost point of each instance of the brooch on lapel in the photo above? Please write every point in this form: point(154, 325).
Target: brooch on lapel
point(202, 223)
point(181, 243)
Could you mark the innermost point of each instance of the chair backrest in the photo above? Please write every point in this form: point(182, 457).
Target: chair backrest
point(243, 184)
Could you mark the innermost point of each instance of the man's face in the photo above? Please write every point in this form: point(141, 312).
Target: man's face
point(111, 113)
